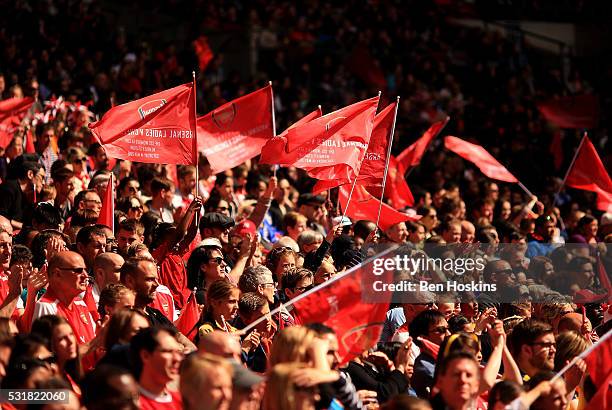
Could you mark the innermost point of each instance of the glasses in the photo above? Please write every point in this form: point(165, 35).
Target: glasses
point(545, 345)
point(439, 329)
point(95, 201)
point(78, 271)
point(271, 284)
point(217, 259)
point(303, 288)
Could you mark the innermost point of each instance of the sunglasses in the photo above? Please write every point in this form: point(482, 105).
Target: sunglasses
point(217, 259)
point(75, 270)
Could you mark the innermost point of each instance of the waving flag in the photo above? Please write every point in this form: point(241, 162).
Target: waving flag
point(12, 111)
point(107, 212)
point(186, 323)
point(580, 111)
point(156, 129)
point(236, 131)
point(588, 173)
point(411, 156)
point(479, 157)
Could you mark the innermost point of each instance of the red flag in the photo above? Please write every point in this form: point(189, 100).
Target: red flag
point(430, 346)
point(155, 129)
point(186, 323)
point(396, 189)
point(372, 167)
point(338, 304)
point(29, 146)
point(480, 157)
point(236, 131)
point(411, 156)
point(364, 206)
point(107, 212)
point(588, 173)
point(604, 279)
point(274, 152)
point(580, 111)
point(203, 52)
point(599, 365)
point(91, 303)
point(12, 112)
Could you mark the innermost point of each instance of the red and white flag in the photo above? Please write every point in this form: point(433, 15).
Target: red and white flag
point(364, 206)
point(107, 212)
point(236, 131)
point(12, 111)
point(588, 173)
point(411, 156)
point(479, 157)
point(156, 129)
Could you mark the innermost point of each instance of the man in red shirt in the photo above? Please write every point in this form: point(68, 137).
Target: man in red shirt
point(67, 279)
point(156, 357)
point(10, 286)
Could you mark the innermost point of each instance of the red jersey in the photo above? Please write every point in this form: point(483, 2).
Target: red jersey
point(164, 302)
point(169, 401)
point(172, 273)
point(77, 314)
point(4, 291)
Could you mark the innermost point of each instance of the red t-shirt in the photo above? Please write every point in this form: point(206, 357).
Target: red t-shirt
point(164, 302)
point(77, 314)
point(170, 401)
point(4, 291)
point(172, 273)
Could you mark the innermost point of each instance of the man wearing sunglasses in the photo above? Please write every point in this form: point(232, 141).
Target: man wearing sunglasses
point(67, 279)
point(500, 273)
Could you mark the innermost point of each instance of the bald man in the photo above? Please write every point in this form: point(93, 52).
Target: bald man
point(221, 344)
point(67, 279)
point(106, 270)
point(468, 232)
point(5, 224)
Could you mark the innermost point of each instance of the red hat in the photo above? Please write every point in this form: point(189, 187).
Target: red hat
point(246, 226)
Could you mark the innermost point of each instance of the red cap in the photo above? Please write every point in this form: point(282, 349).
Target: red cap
point(245, 227)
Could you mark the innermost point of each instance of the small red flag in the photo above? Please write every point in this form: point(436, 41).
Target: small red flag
point(91, 303)
point(155, 129)
point(599, 365)
point(236, 131)
point(186, 323)
point(339, 305)
point(274, 152)
point(29, 146)
point(107, 212)
point(12, 111)
point(580, 111)
point(588, 173)
point(479, 157)
point(203, 52)
point(604, 279)
point(364, 206)
point(411, 156)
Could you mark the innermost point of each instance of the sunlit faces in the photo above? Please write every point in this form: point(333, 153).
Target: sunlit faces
point(6, 249)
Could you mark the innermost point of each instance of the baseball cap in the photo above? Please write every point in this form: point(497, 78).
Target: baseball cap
point(216, 220)
point(342, 221)
point(243, 377)
point(246, 226)
point(310, 199)
point(210, 242)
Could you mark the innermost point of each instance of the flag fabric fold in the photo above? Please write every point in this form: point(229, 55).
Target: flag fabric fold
point(579, 111)
point(12, 111)
point(411, 156)
point(476, 154)
point(237, 131)
point(340, 306)
point(364, 206)
point(588, 173)
point(159, 128)
point(599, 366)
point(186, 323)
point(107, 212)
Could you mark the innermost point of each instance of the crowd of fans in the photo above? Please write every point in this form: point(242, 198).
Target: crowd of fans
point(96, 309)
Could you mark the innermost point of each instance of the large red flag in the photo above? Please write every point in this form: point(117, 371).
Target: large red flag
point(12, 111)
point(364, 206)
point(274, 152)
point(580, 111)
point(588, 173)
point(480, 157)
point(397, 190)
point(107, 212)
point(599, 365)
point(236, 131)
point(186, 323)
point(338, 304)
point(412, 155)
point(155, 129)
point(372, 167)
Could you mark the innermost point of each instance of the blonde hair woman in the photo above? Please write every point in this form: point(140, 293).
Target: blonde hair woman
point(282, 393)
point(291, 345)
point(206, 382)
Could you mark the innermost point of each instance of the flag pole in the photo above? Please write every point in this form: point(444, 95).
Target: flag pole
point(348, 201)
point(581, 356)
point(524, 188)
point(384, 181)
point(275, 166)
point(112, 186)
point(571, 165)
point(195, 134)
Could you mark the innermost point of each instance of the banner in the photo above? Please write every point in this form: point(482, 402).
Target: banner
point(477, 155)
point(12, 111)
